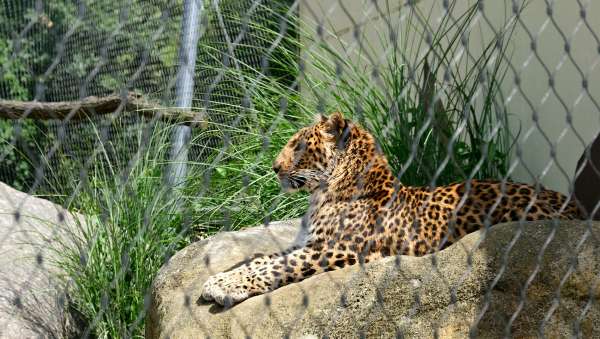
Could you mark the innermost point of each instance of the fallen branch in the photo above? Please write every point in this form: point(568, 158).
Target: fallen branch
point(91, 106)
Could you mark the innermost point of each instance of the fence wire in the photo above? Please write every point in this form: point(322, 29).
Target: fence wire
point(474, 96)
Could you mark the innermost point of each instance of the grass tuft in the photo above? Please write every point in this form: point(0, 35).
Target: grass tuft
point(131, 223)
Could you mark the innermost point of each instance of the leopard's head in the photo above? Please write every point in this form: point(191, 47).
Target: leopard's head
point(306, 160)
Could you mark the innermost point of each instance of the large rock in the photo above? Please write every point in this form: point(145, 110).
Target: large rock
point(32, 300)
point(522, 280)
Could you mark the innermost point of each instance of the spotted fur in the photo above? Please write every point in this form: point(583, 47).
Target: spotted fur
point(360, 212)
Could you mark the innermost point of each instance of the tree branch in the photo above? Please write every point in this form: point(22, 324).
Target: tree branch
point(89, 107)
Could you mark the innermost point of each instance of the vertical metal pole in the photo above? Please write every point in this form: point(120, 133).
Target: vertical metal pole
point(184, 89)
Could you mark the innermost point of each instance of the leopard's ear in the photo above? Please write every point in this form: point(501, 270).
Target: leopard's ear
point(335, 124)
point(320, 118)
point(336, 129)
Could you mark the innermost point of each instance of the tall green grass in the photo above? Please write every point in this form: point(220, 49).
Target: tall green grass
point(131, 221)
point(130, 224)
point(234, 186)
point(437, 120)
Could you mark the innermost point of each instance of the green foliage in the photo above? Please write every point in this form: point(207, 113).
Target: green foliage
point(140, 45)
point(235, 186)
point(13, 74)
point(431, 131)
point(115, 40)
point(22, 58)
point(122, 40)
point(131, 224)
point(17, 139)
point(27, 45)
point(20, 147)
point(238, 187)
point(437, 124)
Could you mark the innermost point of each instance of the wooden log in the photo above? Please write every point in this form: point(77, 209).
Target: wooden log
point(91, 106)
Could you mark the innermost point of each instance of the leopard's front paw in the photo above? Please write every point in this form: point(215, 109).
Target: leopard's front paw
point(226, 288)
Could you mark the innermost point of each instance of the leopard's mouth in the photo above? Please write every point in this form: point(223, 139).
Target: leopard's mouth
point(292, 182)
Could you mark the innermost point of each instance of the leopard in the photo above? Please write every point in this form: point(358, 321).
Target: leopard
point(359, 211)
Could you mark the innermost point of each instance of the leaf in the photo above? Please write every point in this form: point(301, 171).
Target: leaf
point(222, 171)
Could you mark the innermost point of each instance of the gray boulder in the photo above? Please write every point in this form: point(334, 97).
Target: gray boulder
point(32, 300)
point(523, 280)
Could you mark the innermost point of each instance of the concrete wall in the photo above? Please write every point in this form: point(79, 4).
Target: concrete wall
point(533, 97)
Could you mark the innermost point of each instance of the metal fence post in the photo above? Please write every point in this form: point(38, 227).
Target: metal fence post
point(184, 89)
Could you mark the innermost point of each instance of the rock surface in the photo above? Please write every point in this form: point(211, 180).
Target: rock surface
point(470, 287)
point(32, 303)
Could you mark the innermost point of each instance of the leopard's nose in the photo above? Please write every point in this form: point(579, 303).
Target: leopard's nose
point(276, 168)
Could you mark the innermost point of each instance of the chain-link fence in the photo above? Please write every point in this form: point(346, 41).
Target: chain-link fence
point(154, 126)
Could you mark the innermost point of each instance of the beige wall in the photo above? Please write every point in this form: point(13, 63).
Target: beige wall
point(534, 94)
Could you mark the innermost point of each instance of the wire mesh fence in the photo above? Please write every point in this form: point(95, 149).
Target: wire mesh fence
point(455, 116)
